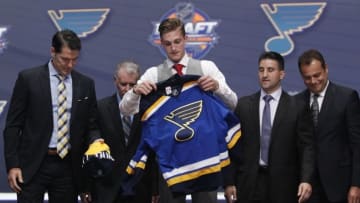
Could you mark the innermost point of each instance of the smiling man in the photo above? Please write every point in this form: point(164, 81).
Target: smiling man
point(336, 118)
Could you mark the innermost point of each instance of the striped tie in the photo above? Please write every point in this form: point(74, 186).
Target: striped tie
point(62, 146)
point(126, 127)
point(315, 109)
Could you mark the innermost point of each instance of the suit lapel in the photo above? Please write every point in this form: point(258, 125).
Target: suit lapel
point(326, 104)
point(46, 92)
point(254, 110)
point(279, 114)
point(75, 94)
point(114, 112)
point(134, 127)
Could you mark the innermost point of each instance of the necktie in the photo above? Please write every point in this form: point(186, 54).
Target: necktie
point(126, 127)
point(62, 146)
point(178, 68)
point(315, 109)
point(265, 130)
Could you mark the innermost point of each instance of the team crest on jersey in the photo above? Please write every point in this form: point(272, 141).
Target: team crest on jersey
point(183, 117)
point(200, 30)
point(288, 18)
point(2, 105)
point(82, 21)
point(3, 42)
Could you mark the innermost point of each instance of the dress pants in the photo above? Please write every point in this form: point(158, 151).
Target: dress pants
point(318, 194)
point(197, 197)
point(261, 192)
point(55, 177)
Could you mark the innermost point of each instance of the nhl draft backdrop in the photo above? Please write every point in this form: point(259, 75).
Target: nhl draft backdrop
point(231, 32)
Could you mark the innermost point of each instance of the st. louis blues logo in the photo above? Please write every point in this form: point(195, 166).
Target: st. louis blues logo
point(199, 28)
point(288, 18)
point(2, 105)
point(3, 41)
point(183, 117)
point(82, 21)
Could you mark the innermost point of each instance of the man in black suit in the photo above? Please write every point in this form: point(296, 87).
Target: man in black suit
point(273, 161)
point(45, 136)
point(336, 114)
point(123, 143)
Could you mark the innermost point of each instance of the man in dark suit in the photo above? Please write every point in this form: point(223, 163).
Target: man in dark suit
point(336, 114)
point(123, 143)
point(273, 161)
point(51, 121)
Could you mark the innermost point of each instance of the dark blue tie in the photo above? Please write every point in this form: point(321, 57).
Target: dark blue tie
point(266, 130)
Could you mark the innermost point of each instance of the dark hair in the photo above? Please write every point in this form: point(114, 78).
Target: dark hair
point(171, 24)
point(274, 56)
point(308, 56)
point(65, 38)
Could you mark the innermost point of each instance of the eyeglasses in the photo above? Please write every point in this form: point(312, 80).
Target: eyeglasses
point(124, 84)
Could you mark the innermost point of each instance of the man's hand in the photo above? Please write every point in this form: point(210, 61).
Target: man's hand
point(15, 177)
point(85, 197)
point(304, 192)
point(155, 199)
point(208, 83)
point(230, 194)
point(144, 88)
point(354, 194)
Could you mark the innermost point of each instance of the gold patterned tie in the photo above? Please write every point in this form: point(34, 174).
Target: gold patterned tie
point(62, 146)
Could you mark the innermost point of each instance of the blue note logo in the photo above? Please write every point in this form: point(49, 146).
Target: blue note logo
point(183, 117)
point(2, 105)
point(288, 18)
point(200, 29)
point(82, 21)
point(3, 41)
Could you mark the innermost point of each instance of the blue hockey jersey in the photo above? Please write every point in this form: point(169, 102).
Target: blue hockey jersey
point(190, 131)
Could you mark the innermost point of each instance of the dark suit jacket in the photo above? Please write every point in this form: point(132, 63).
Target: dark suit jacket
point(29, 121)
point(337, 140)
point(290, 155)
point(110, 124)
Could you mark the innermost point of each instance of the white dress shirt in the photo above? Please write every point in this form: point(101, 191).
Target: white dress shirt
point(130, 102)
point(320, 98)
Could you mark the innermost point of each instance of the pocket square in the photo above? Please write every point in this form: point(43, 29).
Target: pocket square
point(82, 99)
